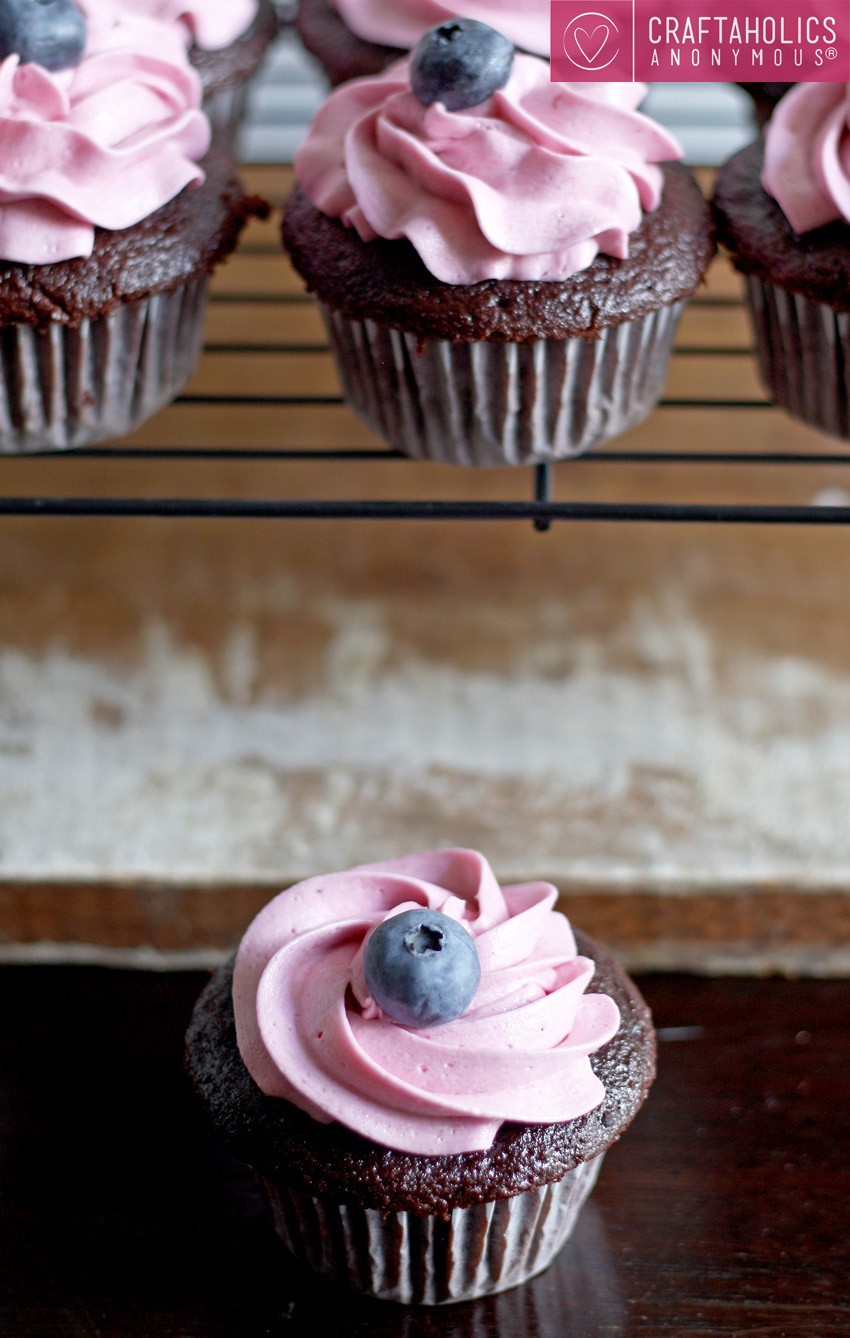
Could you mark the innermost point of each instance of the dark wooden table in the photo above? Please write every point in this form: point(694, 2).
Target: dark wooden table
point(723, 1211)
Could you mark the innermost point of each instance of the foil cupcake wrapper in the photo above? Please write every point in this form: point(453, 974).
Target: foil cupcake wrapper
point(494, 404)
point(72, 387)
point(803, 351)
point(481, 1250)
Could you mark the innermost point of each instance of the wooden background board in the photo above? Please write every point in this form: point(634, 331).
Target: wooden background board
point(196, 712)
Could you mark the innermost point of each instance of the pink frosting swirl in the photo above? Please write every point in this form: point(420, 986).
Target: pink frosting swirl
point(101, 145)
point(210, 24)
point(527, 23)
point(309, 1033)
point(807, 155)
point(532, 184)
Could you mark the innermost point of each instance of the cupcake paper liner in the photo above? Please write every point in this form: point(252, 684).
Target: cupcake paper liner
point(492, 404)
point(226, 108)
point(73, 386)
point(803, 351)
point(399, 1256)
point(227, 73)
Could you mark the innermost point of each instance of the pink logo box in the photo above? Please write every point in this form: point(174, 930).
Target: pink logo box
point(681, 41)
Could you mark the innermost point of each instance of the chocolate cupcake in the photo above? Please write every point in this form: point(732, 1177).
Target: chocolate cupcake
point(352, 38)
point(421, 1164)
point(783, 210)
point(764, 98)
point(340, 52)
point(107, 247)
point(502, 282)
point(227, 42)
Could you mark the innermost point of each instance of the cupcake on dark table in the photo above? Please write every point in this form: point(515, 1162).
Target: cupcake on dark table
point(425, 1069)
point(111, 220)
point(783, 210)
point(351, 38)
point(501, 261)
point(227, 40)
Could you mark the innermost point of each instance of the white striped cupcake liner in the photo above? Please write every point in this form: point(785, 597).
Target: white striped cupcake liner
point(803, 351)
point(493, 404)
point(226, 109)
point(399, 1256)
point(72, 387)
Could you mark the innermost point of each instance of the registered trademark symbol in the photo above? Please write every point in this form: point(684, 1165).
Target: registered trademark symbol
point(831, 53)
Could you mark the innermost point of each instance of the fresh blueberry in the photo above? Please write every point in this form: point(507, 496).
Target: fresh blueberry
point(460, 64)
point(50, 33)
point(422, 968)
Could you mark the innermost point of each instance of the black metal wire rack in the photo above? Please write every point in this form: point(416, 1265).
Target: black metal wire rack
point(540, 489)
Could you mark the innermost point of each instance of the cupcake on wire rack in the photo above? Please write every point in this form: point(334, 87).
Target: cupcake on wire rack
point(351, 38)
point(227, 41)
point(112, 217)
point(501, 261)
point(783, 211)
point(764, 99)
point(425, 1070)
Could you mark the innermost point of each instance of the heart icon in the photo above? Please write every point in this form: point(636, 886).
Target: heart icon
point(585, 41)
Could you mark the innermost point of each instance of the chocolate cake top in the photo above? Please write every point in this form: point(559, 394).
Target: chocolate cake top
point(763, 243)
point(386, 281)
point(344, 55)
point(326, 1159)
point(237, 62)
point(178, 244)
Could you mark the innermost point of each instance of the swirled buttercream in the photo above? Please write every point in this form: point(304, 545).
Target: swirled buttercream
point(103, 144)
point(532, 184)
point(308, 1031)
point(807, 155)
point(210, 24)
point(401, 23)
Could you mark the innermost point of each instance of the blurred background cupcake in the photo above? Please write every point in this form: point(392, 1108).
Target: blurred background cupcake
point(783, 210)
point(227, 43)
point(501, 280)
point(356, 37)
point(112, 218)
point(765, 98)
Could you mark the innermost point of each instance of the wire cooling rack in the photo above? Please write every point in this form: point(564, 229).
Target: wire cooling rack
point(266, 361)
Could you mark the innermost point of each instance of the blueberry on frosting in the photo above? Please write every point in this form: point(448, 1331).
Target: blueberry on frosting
point(422, 968)
point(50, 33)
point(461, 64)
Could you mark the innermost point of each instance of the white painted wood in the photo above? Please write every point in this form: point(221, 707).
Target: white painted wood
point(622, 778)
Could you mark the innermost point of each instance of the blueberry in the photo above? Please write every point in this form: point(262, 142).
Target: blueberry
point(422, 968)
point(460, 64)
point(50, 33)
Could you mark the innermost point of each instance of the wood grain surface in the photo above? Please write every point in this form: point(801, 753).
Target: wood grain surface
point(722, 1212)
point(196, 712)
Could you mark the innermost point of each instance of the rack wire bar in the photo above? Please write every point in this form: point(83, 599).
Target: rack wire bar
point(332, 509)
point(342, 453)
point(542, 493)
point(332, 401)
point(275, 387)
